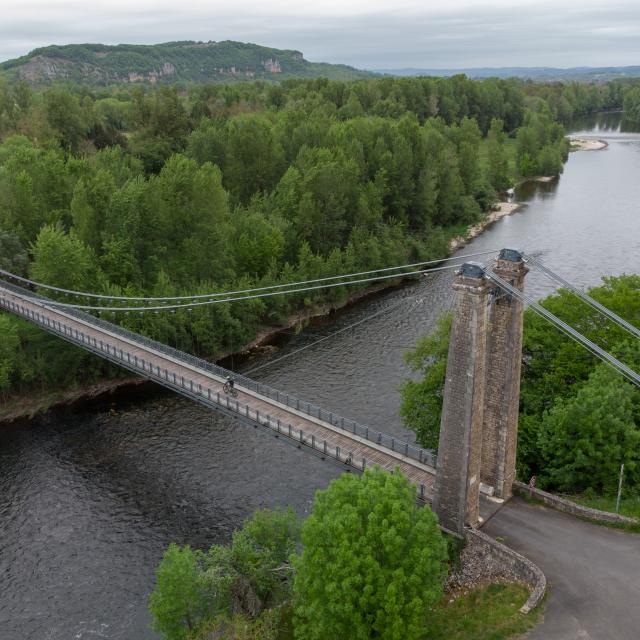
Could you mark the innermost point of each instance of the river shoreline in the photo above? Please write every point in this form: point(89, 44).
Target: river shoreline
point(29, 406)
point(587, 144)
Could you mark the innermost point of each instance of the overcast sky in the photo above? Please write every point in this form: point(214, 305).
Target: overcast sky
point(367, 34)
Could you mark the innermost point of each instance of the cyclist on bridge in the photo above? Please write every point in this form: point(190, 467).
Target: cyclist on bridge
point(229, 385)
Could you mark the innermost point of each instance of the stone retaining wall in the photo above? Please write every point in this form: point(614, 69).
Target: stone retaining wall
point(498, 561)
point(562, 504)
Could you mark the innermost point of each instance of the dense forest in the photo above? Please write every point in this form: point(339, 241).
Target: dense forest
point(167, 192)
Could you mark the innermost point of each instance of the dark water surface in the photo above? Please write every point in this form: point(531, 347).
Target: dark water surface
point(89, 499)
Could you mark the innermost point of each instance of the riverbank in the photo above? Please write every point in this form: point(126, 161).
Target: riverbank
point(587, 144)
point(28, 406)
point(503, 209)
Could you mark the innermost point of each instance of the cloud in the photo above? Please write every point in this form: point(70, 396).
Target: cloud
point(368, 34)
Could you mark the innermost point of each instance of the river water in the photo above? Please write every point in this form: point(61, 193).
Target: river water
point(90, 498)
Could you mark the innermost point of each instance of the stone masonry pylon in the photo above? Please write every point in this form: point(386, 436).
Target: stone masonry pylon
point(456, 500)
point(502, 390)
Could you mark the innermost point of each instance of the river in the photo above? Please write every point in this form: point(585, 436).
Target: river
point(89, 498)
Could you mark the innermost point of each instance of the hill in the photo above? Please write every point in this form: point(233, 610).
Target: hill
point(543, 74)
point(98, 64)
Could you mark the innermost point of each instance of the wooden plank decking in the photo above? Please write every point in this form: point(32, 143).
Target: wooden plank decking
point(203, 386)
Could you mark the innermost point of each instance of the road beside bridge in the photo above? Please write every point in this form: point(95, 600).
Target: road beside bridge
point(593, 572)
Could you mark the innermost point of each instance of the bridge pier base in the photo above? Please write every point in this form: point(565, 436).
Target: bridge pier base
point(456, 499)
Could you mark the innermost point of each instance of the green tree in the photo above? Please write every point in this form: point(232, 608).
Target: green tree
point(63, 260)
point(194, 588)
point(372, 562)
point(329, 198)
point(498, 170)
point(182, 598)
point(193, 220)
point(9, 351)
point(13, 257)
point(631, 104)
point(257, 563)
point(421, 406)
point(467, 139)
point(66, 116)
point(22, 94)
point(585, 438)
point(254, 157)
point(259, 242)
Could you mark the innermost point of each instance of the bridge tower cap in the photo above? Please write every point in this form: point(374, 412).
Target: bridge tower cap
point(510, 254)
point(472, 270)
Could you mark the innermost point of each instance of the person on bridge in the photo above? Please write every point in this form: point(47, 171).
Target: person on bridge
point(230, 381)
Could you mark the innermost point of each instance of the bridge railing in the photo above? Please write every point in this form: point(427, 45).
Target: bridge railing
point(398, 445)
point(189, 388)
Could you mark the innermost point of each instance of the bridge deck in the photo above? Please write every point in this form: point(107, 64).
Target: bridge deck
point(326, 437)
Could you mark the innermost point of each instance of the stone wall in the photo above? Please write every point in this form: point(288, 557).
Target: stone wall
point(486, 560)
point(562, 504)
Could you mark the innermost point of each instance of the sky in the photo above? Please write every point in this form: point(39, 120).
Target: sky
point(370, 34)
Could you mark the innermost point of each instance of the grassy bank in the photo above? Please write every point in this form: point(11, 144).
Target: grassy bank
point(488, 613)
point(629, 506)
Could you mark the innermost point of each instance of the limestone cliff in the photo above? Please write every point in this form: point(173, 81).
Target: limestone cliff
point(98, 64)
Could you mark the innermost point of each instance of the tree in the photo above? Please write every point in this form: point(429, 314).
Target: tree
point(421, 406)
point(193, 220)
point(194, 588)
point(23, 95)
point(62, 260)
point(9, 347)
point(13, 257)
point(181, 599)
point(329, 198)
point(631, 104)
point(585, 438)
point(468, 138)
point(371, 563)
point(66, 116)
point(258, 560)
point(259, 242)
point(254, 158)
point(498, 169)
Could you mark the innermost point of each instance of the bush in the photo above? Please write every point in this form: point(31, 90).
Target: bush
point(372, 561)
point(230, 585)
point(584, 438)
point(182, 598)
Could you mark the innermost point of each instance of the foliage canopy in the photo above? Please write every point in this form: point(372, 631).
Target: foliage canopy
point(371, 562)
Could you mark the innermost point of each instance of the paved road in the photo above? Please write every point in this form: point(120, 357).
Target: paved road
point(593, 572)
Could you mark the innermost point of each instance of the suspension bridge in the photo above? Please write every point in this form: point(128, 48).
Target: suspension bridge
point(479, 426)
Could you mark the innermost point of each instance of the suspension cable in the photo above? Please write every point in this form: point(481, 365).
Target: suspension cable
point(584, 296)
point(63, 305)
point(86, 294)
point(606, 357)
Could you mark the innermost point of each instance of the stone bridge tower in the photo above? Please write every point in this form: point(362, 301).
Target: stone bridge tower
point(478, 431)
